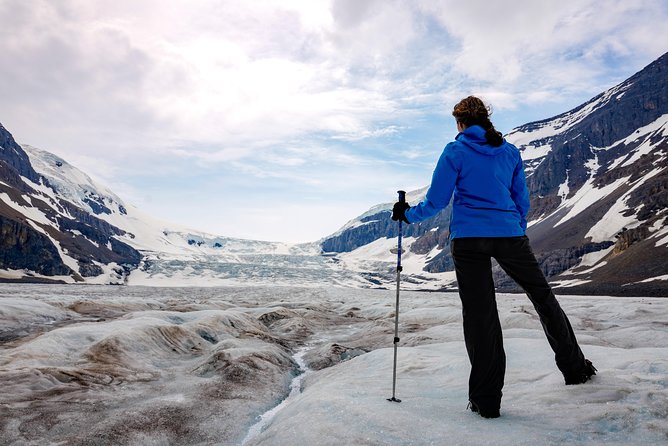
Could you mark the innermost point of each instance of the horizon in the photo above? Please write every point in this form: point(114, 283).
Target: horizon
point(282, 121)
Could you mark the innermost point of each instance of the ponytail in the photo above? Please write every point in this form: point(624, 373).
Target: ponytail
point(493, 137)
point(472, 111)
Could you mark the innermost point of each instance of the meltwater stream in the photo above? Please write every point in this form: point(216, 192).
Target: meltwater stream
point(295, 390)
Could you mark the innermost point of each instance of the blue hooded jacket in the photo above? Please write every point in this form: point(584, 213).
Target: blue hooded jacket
point(490, 193)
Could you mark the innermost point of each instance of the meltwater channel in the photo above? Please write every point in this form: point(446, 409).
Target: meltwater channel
point(295, 390)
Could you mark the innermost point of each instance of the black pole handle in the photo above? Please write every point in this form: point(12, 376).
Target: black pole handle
point(402, 196)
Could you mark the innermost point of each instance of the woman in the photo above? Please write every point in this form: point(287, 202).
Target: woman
point(489, 219)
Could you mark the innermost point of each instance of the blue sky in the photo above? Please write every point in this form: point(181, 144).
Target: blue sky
point(281, 120)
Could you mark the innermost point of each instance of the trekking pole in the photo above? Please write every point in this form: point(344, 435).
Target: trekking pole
point(402, 199)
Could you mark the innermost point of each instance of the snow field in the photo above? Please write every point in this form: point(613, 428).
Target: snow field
point(198, 366)
point(624, 404)
point(346, 404)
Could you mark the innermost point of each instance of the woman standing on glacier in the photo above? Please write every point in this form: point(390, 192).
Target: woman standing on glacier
point(489, 219)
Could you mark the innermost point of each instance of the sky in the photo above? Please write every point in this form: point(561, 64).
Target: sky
point(281, 120)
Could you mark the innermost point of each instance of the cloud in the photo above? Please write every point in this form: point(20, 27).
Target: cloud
point(523, 45)
point(219, 70)
point(205, 157)
point(335, 94)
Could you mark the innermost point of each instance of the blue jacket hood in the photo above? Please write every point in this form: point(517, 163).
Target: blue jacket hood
point(474, 137)
point(488, 184)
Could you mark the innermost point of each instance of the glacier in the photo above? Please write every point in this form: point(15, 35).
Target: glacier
point(99, 365)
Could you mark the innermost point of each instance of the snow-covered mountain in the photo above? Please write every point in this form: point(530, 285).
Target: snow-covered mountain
point(57, 224)
point(46, 234)
point(598, 176)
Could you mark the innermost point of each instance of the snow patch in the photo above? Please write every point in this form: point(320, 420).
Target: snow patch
point(652, 279)
point(591, 260)
point(653, 130)
point(586, 196)
point(568, 283)
point(530, 152)
point(614, 220)
point(563, 188)
point(643, 135)
point(31, 213)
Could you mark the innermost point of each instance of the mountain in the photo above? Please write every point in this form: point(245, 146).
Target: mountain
point(44, 236)
point(58, 225)
point(598, 178)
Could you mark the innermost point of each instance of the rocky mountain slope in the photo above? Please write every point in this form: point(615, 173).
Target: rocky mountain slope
point(58, 225)
point(45, 237)
point(598, 177)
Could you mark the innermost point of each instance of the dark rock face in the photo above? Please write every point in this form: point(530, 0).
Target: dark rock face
point(610, 134)
point(381, 225)
point(593, 146)
point(15, 157)
point(97, 206)
point(83, 236)
point(626, 238)
point(608, 118)
point(557, 261)
point(21, 247)
point(652, 196)
point(428, 235)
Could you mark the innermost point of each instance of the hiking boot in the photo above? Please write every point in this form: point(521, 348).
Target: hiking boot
point(493, 413)
point(583, 376)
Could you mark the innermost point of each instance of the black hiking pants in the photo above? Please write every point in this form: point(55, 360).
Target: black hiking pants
point(482, 329)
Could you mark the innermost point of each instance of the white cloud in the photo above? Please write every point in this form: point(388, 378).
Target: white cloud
point(224, 155)
point(532, 44)
point(219, 71)
point(290, 88)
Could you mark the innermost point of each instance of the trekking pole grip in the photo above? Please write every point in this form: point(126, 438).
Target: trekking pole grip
point(402, 196)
